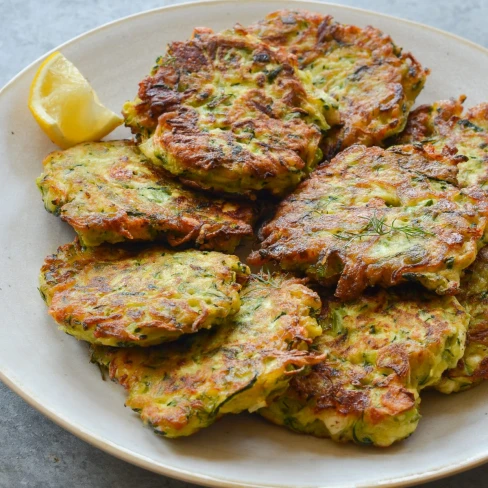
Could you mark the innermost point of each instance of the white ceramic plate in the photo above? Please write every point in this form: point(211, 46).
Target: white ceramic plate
point(51, 370)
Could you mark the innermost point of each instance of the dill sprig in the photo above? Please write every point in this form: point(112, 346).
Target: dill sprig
point(378, 227)
point(411, 231)
point(265, 277)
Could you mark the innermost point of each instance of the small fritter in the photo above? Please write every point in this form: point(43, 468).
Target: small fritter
point(378, 217)
point(109, 192)
point(228, 113)
point(185, 386)
point(372, 82)
point(473, 367)
point(442, 128)
point(120, 297)
point(381, 350)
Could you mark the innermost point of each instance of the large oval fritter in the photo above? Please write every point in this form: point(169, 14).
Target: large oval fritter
point(227, 112)
point(185, 386)
point(381, 350)
point(119, 297)
point(375, 216)
point(442, 128)
point(472, 368)
point(109, 192)
point(372, 82)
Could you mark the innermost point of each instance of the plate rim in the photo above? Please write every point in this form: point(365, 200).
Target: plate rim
point(145, 462)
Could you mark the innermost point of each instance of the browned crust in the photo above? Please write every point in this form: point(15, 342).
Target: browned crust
point(106, 291)
point(443, 128)
point(258, 144)
point(474, 296)
point(104, 203)
point(424, 119)
point(386, 80)
point(387, 386)
point(303, 234)
point(185, 387)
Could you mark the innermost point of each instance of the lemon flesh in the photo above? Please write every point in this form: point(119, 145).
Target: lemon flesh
point(65, 105)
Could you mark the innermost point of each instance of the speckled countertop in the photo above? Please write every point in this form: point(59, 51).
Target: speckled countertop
point(34, 452)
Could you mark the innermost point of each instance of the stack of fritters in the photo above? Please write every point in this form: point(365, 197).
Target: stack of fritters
point(375, 246)
point(443, 128)
point(383, 217)
point(184, 387)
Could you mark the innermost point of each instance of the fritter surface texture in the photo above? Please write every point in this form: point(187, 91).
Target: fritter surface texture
point(182, 387)
point(473, 367)
point(120, 297)
point(109, 192)
point(381, 350)
point(226, 112)
point(373, 84)
point(443, 128)
point(375, 216)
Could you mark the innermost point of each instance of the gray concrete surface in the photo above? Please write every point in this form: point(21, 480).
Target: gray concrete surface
point(34, 452)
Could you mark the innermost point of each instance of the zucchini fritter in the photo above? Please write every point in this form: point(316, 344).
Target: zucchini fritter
point(473, 367)
point(226, 112)
point(372, 82)
point(109, 192)
point(378, 217)
point(381, 350)
point(442, 128)
point(182, 387)
point(119, 297)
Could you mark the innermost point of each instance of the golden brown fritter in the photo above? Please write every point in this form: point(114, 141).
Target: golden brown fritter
point(442, 128)
point(226, 112)
point(473, 367)
point(381, 350)
point(120, 297)
point(182, 387)
point(109, 192)
point(378, 217)
point(373, 83)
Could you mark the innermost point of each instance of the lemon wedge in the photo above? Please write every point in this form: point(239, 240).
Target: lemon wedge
point(66, 106)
